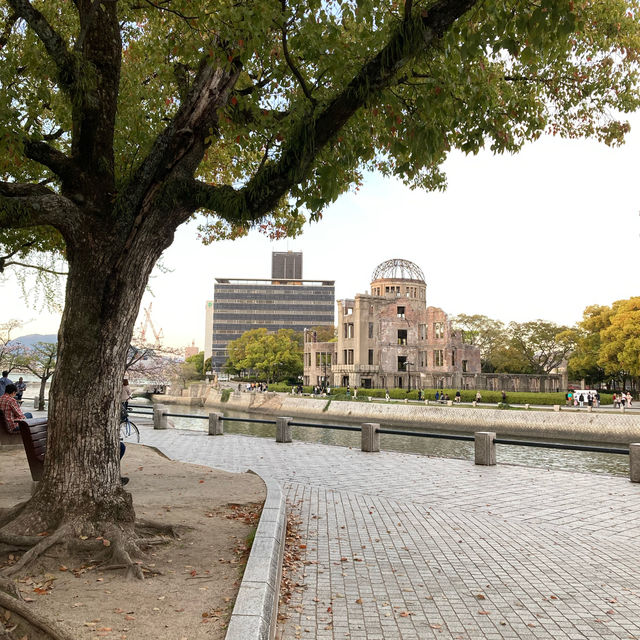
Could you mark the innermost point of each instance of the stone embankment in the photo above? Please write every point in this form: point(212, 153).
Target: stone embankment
point(584, 426)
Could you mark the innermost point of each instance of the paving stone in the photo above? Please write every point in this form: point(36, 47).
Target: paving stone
point(405, 546)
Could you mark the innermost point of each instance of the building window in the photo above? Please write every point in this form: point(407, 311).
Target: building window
point(348, 329)
point(349, 356)
point(422, 358)
point(422, 331)
point(402, 336)
point(464, 366)
point(344, 356)
point(453, 358)
point(370, 356)
point(402, 363)
point(438, 358)
point(438, 330)
point(371, 329)
point(400, 312)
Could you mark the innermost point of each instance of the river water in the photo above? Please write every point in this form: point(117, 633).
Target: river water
point(613, 464)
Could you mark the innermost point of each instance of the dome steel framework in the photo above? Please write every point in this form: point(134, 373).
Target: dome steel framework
point(398, 269)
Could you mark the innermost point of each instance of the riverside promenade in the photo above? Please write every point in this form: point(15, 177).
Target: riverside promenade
point(399, 546)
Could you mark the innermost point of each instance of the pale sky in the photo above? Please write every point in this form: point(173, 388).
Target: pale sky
point(541, 234)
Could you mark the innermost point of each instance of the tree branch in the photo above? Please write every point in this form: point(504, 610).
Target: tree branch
point(181, 146)
point(272, 181)
point(55, 160)
point(53, 43)
point(6, 32)
point(296, 72)
point(31, 205)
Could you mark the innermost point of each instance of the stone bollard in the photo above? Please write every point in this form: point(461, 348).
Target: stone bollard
point(283, 429)
point(370, 437)
point(449, 403)
point(160, 416)
point(634, 462)
point(426, 401)
point(485, 448)
point(474, 404)
point(215, 424)
point(36, 403)
point(556, 407)
point(590, 409)
point(622, 409)
point(526, 406)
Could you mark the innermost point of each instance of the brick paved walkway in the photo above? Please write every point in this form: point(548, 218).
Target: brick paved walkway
point(410, 547)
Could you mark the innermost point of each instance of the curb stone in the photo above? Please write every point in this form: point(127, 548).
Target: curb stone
point(254, 615)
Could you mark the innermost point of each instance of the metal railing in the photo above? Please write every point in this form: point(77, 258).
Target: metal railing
point(484, 441)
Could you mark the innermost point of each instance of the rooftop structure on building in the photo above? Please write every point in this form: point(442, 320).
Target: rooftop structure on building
point(281, 302)
point(286, 265)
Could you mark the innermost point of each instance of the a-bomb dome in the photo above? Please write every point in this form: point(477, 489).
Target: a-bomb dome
point(398, 269)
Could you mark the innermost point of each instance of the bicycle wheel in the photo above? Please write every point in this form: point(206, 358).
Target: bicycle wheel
point(129, 432)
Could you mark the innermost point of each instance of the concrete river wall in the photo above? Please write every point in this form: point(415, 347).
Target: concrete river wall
point(576, 425)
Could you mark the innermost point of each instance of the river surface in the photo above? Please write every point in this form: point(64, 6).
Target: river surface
point(608, 463)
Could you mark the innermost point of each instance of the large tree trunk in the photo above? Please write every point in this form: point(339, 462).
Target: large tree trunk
point(81, 482)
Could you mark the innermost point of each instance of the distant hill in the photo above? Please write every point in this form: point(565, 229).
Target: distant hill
point(32, 338)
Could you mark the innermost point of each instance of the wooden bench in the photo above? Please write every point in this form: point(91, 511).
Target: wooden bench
point(8, 440)
point(34, 439)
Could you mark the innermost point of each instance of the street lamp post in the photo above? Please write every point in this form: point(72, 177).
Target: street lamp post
point(409, 365)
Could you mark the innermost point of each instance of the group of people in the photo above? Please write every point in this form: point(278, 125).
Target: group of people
point(578, 398)
point(256, 386)
point(622, 400)
point(21, 386)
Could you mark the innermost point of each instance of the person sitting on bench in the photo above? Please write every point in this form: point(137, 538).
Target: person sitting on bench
point(11, 409)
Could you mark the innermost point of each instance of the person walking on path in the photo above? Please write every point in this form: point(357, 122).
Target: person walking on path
point(504, 397)
point(458, 396)
point(4, 381)
point(478, 396)
point(21, 386)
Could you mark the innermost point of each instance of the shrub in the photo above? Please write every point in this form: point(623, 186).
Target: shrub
point(226, 393)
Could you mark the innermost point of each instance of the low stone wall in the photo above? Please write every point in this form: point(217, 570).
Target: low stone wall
point(582, 426)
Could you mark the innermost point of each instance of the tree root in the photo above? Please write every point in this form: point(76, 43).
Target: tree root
point(7, 515)
point(10, 588)
point(49, 627)
point(15, 540)
point(152, 526)
point(37, 550)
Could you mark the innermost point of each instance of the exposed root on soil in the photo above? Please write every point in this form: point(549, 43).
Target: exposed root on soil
point(15, 540)
point(36, 551)
point(144, 526)
point(7, 515)
point(40, 622)
point(111, 544)
point(10, 588)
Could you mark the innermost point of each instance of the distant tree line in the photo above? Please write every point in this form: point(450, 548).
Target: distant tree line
point(604, 347)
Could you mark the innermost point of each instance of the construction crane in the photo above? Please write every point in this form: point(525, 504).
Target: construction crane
point(149, 323)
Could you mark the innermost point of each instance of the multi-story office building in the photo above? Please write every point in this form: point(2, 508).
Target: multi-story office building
point(281, 302)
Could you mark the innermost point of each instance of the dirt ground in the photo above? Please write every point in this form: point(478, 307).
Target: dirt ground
point(198, 577)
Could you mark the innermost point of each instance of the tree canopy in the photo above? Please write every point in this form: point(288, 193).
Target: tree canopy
point(273, 356)
point(264, 112)
point(608, 343)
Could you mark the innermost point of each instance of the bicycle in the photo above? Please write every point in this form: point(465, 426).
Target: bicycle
point(129, 431)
